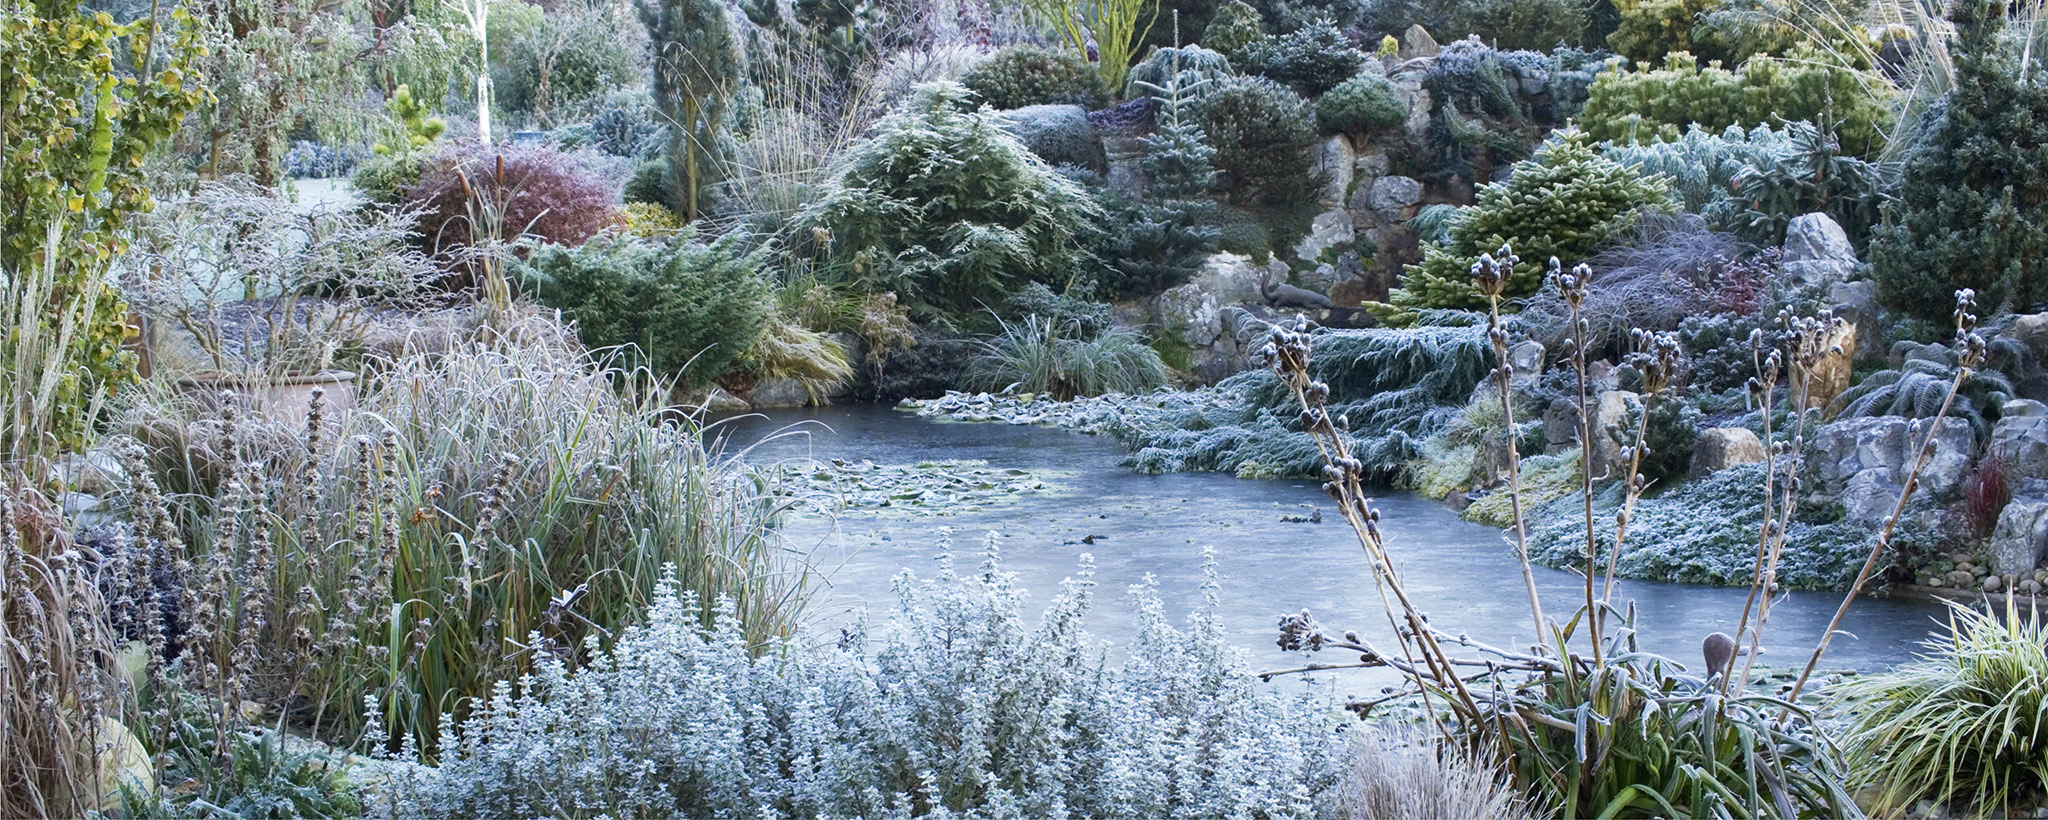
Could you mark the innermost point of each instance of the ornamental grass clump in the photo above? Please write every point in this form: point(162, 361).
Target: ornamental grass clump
point(958, 704)
point(1041, 355)
point(480, 510)
point(1965, 724)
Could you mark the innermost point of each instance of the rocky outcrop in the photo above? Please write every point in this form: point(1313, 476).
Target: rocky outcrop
point(2021, 538)
point(2020, 440)
point(1330, 229)
point(1856, 303)
point(1200, 313)
point(1611, 417)
point(1862, 463)
point(1720, 448)
point(1338, 163)
point(1817, 251)
point(1830, 376)
point(1416, 43)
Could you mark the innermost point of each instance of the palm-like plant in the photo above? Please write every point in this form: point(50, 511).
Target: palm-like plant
point(1043, 356)
point(1917, 388)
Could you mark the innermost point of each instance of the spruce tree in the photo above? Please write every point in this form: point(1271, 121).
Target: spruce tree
point(696, 71)
point(1973, 211)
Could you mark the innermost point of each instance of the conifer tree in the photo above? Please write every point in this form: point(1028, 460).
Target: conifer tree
point(1973, 212)
point(696, 72)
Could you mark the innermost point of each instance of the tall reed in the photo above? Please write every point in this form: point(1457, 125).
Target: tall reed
point(481, 509)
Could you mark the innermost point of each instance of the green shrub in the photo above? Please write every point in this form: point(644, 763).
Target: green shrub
point(566, 60)
point(1651, 29)
point(1310, 60)
point(1568, 202)
point(1233, 30)
point(946, 210)
point(1027, 75)
point(1703, 531)
point(1700, 165)
point(1262, 133)
point(689, 310)
point(651, 183)
point(1178, 162)
point(1363, 104)
point(1668, 445)
point(1639, 106)
point(1965, 724)
point(957, 705)
point(1536, 25)
point(1973, 210)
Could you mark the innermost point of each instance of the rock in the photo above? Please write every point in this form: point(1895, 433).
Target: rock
point(1372, 166)
point(1720, 448)
point(123, 761)
point(1526, 358)
point(719, 401)
point(1231, 278)
point(1994, 584)
point(1336, 158)
point(1611, 414)
point(1560, 426)
point(2020, 440)
point(1420, 104)
point(2031, 331)
point(2029, 587)
point(1125, 155)
point(1330, 229)
point(1416, 43)
point(1830, 376)
point(774, 393)
point(1871, 456)
point(1199, 312)
point(1059, 134)
point(2021, 537)
point(1393, 194)
point(1856, 303)
point(1817, 251)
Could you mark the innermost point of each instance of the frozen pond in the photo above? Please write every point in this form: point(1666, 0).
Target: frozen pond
point(1271, 562)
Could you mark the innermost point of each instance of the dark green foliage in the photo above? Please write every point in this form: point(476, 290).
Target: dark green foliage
point(1145, 248)
point(652, 182)
point(1813, 177)
point(1028, 75)
point(1567, 202)
point(696, 72)
point(1973, 211)
point(1639, 106)
point(1241, 232)
point(1674, 429)
point(1397, 387)
point(1718, 347)
point(1233, 30)
point(383, 179)
point(924, 370)
point(688, 308)
point(944, 208)
point(1481, 118)
point(1262, 131)
point(1917, 388)
point(1063, 309)
point(255, 777)
point(1508, 24)
point(1700, 532)
point(1311, 60)
point(1363, 104)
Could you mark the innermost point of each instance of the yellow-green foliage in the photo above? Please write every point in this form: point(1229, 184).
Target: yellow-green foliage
point(1567, 202)
point(1808, 84)
point(1545, 478)
point(1444, 468)
point(1650, 29)
point(650, 221)
point(788, 350)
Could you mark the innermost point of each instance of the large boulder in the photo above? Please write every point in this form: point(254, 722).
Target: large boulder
point(1200, 312)
point(1416, 43)
point(2020, 440)
point(1058, 134)
point(1856, 303)
point(1330, 229)
point(2021, 538)
point(1817, 251)
point(1870, 457)
point(1719, 448)
point(1391, 196)
point(1611, 417)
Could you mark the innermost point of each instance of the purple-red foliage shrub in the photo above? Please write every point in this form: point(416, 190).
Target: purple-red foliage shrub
point(540, 192)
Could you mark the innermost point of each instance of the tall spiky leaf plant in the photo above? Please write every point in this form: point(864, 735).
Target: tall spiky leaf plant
point(1965, 724)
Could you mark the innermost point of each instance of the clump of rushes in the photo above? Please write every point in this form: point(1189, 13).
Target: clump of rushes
point(479, 508)
point(1611, 731)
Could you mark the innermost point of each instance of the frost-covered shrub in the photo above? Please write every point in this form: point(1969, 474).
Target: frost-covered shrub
point(958, 704)
point(1719, 349)
point(1262, 131)
point(687, 309)
point(1701, 532)
point(311, 160)
point(1146, 248)
point(1233, 30)
point(1364, 103)
point(1639, 106)
point(1397, 387)
point(1310, 60)
point(1028, 75)
point(1197, 68)
point(1918, 386)
point(1043, 355)
point(942, 207)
